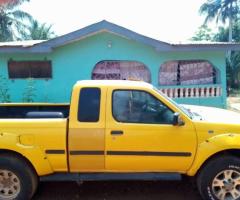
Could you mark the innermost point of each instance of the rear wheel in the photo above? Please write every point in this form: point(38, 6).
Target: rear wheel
point(220, 179)
point(17, 179)
point(9, 184)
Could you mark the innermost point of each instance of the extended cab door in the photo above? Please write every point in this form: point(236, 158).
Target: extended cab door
point(86, 141)
point(140, 135)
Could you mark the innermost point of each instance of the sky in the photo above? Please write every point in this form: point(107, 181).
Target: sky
point(166, 20)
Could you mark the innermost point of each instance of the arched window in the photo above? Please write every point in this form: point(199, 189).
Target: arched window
point(187, 72)
point(121, 70)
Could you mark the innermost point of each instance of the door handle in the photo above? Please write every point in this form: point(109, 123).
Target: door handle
point(116, 132)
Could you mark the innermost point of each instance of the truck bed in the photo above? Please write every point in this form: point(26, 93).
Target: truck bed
point(20, 110)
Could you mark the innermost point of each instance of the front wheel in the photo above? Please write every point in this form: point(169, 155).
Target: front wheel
point(17, 180)
point(220, 179)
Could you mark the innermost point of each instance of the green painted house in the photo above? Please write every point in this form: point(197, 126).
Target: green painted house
point(193, 73)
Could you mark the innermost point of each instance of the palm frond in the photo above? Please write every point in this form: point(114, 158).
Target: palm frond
point(220, 10)
point(41, 31)
point(21, 15)
point(13, 23)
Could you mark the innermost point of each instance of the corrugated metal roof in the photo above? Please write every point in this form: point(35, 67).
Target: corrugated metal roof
point(29, 43)
point(26, 43)
point(204, 43)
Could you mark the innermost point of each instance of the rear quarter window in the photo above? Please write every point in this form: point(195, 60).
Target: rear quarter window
point(89, 105)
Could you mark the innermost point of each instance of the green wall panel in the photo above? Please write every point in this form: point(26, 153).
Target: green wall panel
point(76, 61)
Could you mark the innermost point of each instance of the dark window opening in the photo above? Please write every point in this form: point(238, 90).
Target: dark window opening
point(29, 69)
point(89, 105)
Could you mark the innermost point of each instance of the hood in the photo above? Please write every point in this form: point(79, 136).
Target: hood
point(212, 114)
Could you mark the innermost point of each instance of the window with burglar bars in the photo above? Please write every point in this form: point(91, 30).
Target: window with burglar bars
point(121, 70)
point(29, 69)
point(187, 72)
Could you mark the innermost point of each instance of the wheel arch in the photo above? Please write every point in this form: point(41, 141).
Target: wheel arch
point(18, 156)
point(232, 152)
point(35, 159)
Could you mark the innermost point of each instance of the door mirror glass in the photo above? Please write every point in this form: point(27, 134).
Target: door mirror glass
point(177, 120)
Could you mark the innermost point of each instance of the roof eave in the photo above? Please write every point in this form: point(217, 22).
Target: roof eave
point(197, 48)
point(9, 50)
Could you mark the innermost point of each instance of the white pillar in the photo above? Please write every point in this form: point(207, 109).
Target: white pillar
point(207, 91)
point(170, 92)
point(181, 92)
point(192, 92)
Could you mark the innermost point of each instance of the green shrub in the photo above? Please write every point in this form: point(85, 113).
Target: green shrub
point(29, 92)
point(4, 90)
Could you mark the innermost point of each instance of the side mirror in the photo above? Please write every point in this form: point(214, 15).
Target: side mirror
point(177, 120)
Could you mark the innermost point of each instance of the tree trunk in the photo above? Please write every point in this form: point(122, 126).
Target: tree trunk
point(230, 30)
point(230, 26)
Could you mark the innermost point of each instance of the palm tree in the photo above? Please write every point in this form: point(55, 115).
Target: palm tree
point(12, 20)
point(221, 10)
point(38, 31)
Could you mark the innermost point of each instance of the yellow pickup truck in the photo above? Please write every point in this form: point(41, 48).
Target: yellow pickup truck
point(118, 130)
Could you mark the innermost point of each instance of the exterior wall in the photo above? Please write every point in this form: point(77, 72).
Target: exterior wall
point(76, 61)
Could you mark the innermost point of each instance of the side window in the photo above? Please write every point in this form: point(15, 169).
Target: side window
point(30, 69)
point(132, 106)
point(89, 105)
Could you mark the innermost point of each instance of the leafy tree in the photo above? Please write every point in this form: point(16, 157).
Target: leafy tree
point(225, 10)
point(29, 92)
point(12, 20)
point(38, 31)
point(203, 34)
point(233, 65)
point(221, 10)
point(222, 34)
point(4, 90)
point(233, 70)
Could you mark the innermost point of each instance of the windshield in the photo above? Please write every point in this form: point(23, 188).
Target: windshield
point(183, 109)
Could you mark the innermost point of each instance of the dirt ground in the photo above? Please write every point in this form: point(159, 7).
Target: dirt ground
point(233, 103)
point(116, 190)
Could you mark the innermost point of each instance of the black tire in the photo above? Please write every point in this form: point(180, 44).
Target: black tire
point(28, 180)
point(215, 168)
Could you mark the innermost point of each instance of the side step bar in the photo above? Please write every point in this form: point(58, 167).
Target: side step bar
point(112, 177)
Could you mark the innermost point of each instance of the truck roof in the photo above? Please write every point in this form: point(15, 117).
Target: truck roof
point(108, 83)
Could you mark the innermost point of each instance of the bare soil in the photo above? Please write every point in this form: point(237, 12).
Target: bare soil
point(118, 190)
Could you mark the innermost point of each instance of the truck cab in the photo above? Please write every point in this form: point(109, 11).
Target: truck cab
point(125, 126)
